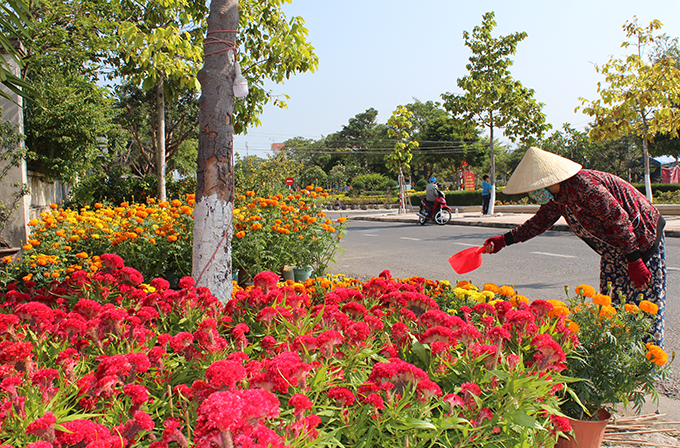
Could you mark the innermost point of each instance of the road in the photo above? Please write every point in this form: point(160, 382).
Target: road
point(539, 268)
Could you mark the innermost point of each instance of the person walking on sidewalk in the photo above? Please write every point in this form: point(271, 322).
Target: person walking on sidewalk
point(486, 194)
point(605, 211)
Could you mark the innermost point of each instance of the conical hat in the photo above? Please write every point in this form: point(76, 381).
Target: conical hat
point(540, 169)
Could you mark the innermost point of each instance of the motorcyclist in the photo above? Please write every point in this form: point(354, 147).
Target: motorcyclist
point(432, 192)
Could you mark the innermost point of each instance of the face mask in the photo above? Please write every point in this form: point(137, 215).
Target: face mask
point(542, 196)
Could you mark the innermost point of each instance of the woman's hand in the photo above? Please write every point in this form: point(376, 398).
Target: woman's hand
point(494, 244)
point(639, 274)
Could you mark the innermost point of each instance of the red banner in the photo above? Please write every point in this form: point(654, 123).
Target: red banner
point(469, 180)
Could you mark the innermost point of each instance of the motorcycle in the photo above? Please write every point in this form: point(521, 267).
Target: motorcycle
point(440, 212)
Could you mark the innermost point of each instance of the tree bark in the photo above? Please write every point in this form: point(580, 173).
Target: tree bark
point(160, 152)
point(215, 182)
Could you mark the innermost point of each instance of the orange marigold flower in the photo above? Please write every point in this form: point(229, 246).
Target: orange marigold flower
point(98, 205)
point(602, 299)
point(506, 291)
point(342, 219)
point(240, 234)
point(82, 255)
point(250, 193)
point(462, 283)
point(490, 287)
point(649, 307)
point(632, 308)
point(7, 259)
point(656, 354)
point(27, 247)
point(33, 222)
point(607, 311)
point(124, 204)
point(54, 206)
point(585, 290)
point(256, 226)
point(573, 326)
point(172, 238)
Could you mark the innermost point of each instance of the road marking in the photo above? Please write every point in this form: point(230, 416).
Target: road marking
point(466, 244)
point(407, 238)
point(369, 234)
point(554, 255)
point(673, 269)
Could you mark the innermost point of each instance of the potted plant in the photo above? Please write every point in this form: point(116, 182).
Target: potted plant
point(613, 362)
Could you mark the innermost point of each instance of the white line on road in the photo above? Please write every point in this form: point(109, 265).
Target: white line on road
point(554, 255)
point(369, 234)
point(407, 238)
point(672, 269)
point(466, 244)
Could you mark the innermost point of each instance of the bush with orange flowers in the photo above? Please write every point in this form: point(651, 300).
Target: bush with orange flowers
point(615, 360)
point(154, 238)
point(274, 231)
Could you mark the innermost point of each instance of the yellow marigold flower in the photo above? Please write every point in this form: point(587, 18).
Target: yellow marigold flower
point(240, 234)
point(602, 299)
point(607, 311)
point(506, 291)
point(649, 307)
point(491, 287)
point(488, 295)
point(172, 238)
point(27, 247)
point(516, 299)
point(585, 290)
point(656, 354)
point(74, 238)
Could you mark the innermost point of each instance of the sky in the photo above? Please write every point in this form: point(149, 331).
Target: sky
point(381, 54)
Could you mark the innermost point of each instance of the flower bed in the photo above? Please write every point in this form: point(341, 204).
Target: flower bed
point(105, 360)
point(269, 233)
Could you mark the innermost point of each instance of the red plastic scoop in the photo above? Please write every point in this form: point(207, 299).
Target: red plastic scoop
point(467, 260)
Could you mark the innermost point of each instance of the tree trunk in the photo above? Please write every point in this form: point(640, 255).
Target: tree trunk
point(492, 199)
point(160, 149)
point(648, 181)
point(213, 213)
point(402, 193)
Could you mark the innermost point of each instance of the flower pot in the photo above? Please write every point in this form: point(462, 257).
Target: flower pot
point(587, 433)
point(288, 273)
point(302, 273)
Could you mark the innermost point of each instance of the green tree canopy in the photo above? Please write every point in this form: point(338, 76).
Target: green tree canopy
point(491, 97)
point(639, 96)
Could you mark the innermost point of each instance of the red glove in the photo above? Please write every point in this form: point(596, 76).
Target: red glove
point(494, 244)
point(638, 273)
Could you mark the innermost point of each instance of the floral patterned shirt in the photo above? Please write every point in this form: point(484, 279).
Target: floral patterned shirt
point(607, 207)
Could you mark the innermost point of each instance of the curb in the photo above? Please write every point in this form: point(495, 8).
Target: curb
point(671, 233)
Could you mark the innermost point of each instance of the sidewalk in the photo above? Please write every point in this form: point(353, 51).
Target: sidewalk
point(505, 217)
